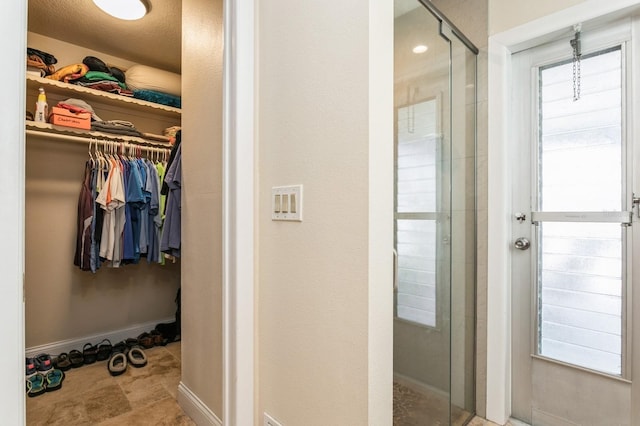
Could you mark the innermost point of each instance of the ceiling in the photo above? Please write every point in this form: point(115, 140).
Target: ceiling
point(154, 40)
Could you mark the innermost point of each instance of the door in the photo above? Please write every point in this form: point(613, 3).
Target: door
point(573, 230)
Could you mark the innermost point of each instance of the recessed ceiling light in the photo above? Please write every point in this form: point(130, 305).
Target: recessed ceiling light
point(129, 10)
point(421, 48)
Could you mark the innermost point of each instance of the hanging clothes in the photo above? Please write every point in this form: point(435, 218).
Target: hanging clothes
point(119, 212)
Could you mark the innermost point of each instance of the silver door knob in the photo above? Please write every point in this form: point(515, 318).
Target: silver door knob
point(522, 243)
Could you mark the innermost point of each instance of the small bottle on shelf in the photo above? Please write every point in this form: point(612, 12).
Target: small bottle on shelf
point(42, 108)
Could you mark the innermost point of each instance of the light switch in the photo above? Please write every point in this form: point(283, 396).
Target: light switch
point(292, 202)
point(276, 203)
point(287, 203)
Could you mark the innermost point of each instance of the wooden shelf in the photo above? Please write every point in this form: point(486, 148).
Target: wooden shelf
point(90, 95)
point(44, 130)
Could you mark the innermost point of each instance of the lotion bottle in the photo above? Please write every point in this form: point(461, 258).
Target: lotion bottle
point(42, 109)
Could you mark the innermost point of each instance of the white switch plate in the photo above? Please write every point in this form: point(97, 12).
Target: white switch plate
point(270, 421)
point(286, 203)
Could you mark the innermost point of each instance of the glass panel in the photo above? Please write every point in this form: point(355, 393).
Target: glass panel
point(580, 294)
point(421, 344)
point(581, 142)
point(463, 230)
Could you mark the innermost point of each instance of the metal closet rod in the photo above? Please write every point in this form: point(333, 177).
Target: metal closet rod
point(442, 18)
point(83, 139)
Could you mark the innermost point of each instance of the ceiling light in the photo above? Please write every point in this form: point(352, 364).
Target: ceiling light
point(129, 10)
point(421, 48)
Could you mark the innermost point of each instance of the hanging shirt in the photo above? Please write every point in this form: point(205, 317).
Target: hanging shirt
point(171, 233)
point(82, 257)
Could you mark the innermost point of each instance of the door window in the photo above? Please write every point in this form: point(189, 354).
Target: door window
point(580, 191)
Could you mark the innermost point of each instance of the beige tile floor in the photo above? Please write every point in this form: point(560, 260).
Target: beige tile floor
point(91, 396)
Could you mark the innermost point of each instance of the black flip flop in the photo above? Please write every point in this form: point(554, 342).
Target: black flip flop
point(62, 362)
point(76, 358)
point(104, 350)
point(89, 353)
point(117, 364)
point(137, 357)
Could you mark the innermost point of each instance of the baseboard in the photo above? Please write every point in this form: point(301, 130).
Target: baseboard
point(417, 386)
point(114, 336)
point(195, 408)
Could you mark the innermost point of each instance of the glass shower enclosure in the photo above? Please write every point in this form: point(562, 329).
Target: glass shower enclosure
point(435, 218)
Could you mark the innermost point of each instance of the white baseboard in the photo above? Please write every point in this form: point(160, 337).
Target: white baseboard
point(417, 386)
point(195, 408)
point(114, 336)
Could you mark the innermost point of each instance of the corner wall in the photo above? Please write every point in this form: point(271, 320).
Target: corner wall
point(323, 318)
point(202, 46)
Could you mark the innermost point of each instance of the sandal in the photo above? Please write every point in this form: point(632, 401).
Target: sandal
point(157, 337)
point(137, 357)
point(76, 358)
point(146, 340)
point(120, 347)
point(104, 350)
point(36, 385)
point(62, 362)
point(53, 380)
point(117, 364)
point(89, 353)
point(131, 342)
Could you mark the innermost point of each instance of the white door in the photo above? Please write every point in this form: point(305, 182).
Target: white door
point(573, 230)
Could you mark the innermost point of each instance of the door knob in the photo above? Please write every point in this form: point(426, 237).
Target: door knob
point(522, 243)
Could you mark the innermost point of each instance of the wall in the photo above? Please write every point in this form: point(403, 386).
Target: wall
point(63, 302)
point(506, 14)
point(202, 47)
point(324, 353)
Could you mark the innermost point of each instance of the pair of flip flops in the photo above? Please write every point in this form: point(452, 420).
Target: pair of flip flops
point(41, 376)
point(125, 353)
point(41, 383)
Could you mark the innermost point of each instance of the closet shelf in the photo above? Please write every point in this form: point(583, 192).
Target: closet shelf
point(90, 95)
point(46, 130)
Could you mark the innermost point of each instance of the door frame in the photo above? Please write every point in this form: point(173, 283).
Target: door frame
point(501, 47)
point(238, 200)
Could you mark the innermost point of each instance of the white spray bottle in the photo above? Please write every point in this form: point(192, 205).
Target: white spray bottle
point(42, 108)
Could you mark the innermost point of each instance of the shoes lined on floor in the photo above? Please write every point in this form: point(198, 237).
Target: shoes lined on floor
point(44, 373)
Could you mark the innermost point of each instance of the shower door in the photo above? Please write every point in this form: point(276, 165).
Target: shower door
point(435, 76)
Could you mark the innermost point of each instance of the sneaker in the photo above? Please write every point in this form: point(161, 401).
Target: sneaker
point(31, 366)
point(44, 363)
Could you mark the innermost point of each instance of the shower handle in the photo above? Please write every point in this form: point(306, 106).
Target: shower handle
point(395, 270)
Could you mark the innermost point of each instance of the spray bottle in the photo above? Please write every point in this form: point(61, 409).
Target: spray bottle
point(42, 109)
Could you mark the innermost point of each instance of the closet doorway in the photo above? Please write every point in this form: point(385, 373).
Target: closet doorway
point(200, 348)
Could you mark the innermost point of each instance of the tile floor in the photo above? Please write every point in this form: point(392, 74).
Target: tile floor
point(91, 396)
point(147, 396)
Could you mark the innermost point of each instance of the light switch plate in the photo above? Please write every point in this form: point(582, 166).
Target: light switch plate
point(286, 203)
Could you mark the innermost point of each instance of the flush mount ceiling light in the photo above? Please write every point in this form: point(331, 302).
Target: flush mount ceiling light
point(129, 10)
point(421, 48)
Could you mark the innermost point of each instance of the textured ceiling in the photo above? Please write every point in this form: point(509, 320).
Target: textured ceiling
point(154, 40)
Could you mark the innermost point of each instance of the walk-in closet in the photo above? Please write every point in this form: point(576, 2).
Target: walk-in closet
point(72, 304)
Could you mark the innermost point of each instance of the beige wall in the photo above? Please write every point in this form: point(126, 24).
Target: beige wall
point(62, 302)
point(506, 14)
point(315, 348)
point(202, 201)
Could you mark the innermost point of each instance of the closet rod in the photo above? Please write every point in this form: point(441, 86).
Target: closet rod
point(83, 139)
